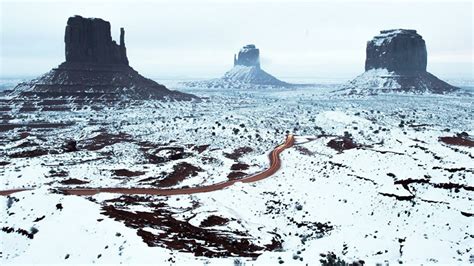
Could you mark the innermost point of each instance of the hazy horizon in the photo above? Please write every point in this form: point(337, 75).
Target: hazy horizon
point(198, 40)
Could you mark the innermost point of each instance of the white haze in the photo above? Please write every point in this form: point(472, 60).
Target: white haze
point(191, 39)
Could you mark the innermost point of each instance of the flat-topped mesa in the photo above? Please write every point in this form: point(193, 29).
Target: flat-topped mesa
point(398, 50)
point(396, 62)
point(88, 40)
point(249, 55)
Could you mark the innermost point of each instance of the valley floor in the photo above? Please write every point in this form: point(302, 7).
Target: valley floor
point(377, 179)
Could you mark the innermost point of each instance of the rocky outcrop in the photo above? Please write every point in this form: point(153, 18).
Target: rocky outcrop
point(396, 62)
point(90, 41)
point(249, 56)
point(246, 73)
point(96, 68)
point(401, 51)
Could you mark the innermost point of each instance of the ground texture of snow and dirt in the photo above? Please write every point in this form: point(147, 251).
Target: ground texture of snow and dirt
point(372, 179)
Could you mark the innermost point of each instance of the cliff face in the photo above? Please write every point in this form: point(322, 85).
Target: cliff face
point(90, 41)
point(249, 55)
point(96, 68)
point(396, 62)
point(402, 51)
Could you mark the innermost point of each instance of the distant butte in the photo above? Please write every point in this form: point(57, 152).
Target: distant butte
point(396, 62)
point(96, 68)
point(246, 73)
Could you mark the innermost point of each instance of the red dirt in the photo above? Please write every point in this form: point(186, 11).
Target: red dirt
point(237, 153)
point(462, 139)
point(214, 220)
point(127, 173)
point(275, 165)
point(73, 181)
point(239, 167)
point(342, 143)
point(180, 172)
point(236, 175)
point(201, 148)
point(54, 173)
point(105, 139)
point(29, 154)
point(173, 153)
point(180, 235)
point(11, 191)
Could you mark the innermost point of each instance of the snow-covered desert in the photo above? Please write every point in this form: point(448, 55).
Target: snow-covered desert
point(370, 178)
point(340, 133)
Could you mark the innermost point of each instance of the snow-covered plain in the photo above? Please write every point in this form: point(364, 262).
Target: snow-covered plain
point(400, 195)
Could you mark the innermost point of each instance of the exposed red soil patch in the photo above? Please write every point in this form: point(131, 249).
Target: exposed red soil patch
point(214, 220)
point(201, 148)
point(239, 167)
point(182, 236)
point(236, 175)
point(127, 173)
point(70, 146)
point(180, 172)
point(6, 127)
point(11, 191)
point(40, 125)
point(341, 144)
point(27, 108)
point(105, 139)
point(461, 139)
point(24, 135)
point(60, 173)
point(29, 154)
point(27, 144)
point(274, 166)
point(148, 179)
point(237, 153)
point(164, 154)
point(74, 181)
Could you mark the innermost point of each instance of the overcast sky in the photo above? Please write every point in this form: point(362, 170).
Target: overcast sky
point(187, 39)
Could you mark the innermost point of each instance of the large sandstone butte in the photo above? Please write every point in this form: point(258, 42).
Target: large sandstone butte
point(89, 41)
point(246, 73)
point(249, 56)
point(96, 69)
point(396, 62)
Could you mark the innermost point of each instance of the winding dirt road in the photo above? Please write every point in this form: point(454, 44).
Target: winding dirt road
point(275, 164)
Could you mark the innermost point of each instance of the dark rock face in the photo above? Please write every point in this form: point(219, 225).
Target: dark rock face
point(396, 62)
point(90, 41)
point(96, 69)
point(249, 55)
point(402, 51)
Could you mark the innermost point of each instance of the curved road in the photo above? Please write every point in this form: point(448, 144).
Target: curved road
point(275, 165)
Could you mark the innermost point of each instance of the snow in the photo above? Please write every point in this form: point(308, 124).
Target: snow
point(387, 36)
point(243, 77)
point(352, 191)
